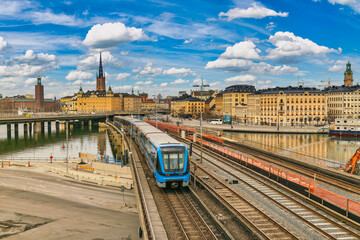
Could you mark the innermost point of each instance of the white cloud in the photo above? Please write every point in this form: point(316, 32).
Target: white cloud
point(245, 50)
point(241, 65)
point(125, 88)
point(150, 70)
point(339, 66)
point(112, 34)
point(3, 44)
point(164, 84)
point(143, 82)
point(124, 53)
point(255, 11)
point(21, 70)
point(30, 81)
point(290, 46)
point(47, 16)
point(354, 4)
point(33, 59)
point(213, 84)
point(78, 75)
point(266, 82)
point(241, 78)
point(77, 82)
point(173, 70)
point(188, 41)
point(270, 26)
point(179, 81)
point(122, 76)
point(92, 62)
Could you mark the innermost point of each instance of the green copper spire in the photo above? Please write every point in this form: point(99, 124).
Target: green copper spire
point(39, 80)
point(348, 68)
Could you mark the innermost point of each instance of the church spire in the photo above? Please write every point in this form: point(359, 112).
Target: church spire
point(101, 75)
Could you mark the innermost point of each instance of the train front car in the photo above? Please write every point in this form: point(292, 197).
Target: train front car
point(173, 167)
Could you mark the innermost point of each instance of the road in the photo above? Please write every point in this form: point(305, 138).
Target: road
point(37, 205)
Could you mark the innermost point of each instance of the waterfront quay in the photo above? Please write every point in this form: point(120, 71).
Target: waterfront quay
point(233, 192)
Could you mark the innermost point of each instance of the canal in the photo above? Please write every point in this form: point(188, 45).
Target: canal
point(85, 139)
point(314, 148)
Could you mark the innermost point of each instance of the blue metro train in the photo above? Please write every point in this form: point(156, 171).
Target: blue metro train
point(167, 158)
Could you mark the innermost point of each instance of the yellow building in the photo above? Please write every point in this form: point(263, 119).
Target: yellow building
point(235, 95)
point(99, 101)
point(148, 106)
point(253, 109)
point(290, 106)
point(218, 110)
point(132, 103)
point(343, 101)
point(66, 104)
point(188, 107)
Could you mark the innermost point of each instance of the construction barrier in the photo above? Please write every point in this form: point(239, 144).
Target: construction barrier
point(85, 168)
point(337, 199)
point(331, 197)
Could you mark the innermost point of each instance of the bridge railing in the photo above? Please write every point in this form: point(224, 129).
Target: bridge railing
point(33, 159)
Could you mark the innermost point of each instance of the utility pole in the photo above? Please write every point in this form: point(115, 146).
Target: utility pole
point(201, 137)
point(67, 146)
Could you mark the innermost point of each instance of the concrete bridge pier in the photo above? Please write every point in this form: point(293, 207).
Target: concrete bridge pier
point(49, 127)
point(30, 128)
point(90, 124)
point(26, 129)
point(8, 126)
point(57, 126)
point(35, 127)
point(16, 127)
point(42, 126)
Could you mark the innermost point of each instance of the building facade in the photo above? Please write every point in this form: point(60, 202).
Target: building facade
point(344, 101)
point(11, 105)
point(132, 103)
point(289, 106)
point(187, 107)
point(235, 95)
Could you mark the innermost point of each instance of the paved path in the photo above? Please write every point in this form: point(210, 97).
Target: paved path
point(57, 207)
point(250, 128)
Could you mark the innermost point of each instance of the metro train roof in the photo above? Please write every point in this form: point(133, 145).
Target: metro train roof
point(141, 123)
point(128, 118)
point(162, 139)
point(149, 129)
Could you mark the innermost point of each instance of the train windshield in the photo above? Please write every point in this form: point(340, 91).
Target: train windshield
point(173, 158)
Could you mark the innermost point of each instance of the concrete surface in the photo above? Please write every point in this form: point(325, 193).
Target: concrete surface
point(35, 205)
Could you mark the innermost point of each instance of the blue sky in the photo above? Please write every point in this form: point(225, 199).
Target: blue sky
point(160, 46)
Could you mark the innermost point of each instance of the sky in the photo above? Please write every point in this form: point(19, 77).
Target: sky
point(159, 46)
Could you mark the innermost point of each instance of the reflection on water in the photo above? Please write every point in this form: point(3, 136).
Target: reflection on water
point(39, 145)
point(315, 148)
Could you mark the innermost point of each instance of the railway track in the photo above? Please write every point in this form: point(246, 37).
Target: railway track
point(296, 168)
point(262, 225)
point(326, 226)
point(182, 215)
point(191, 222)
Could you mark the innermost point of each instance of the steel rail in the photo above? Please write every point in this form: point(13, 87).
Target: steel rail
point(236, 166)
point(240, 200)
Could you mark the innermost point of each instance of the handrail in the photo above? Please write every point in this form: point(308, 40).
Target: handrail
point(138, 181)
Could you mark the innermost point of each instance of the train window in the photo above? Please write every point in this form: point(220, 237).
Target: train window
point(173, 158)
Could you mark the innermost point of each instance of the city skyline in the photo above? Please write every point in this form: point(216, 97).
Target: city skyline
point(162, 47)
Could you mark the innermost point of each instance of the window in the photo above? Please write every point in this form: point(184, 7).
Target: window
point(173, 158)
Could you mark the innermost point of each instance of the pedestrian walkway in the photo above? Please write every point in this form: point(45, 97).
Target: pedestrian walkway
point(251, 128)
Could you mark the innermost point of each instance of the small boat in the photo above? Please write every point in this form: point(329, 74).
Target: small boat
point(345, 127)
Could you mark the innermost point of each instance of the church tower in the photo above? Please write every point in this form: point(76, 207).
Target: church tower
point(100, 78)
point(39, 95)
point(348, 76)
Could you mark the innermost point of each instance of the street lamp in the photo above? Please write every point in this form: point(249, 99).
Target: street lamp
point(201, 89)
point(155, 112)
